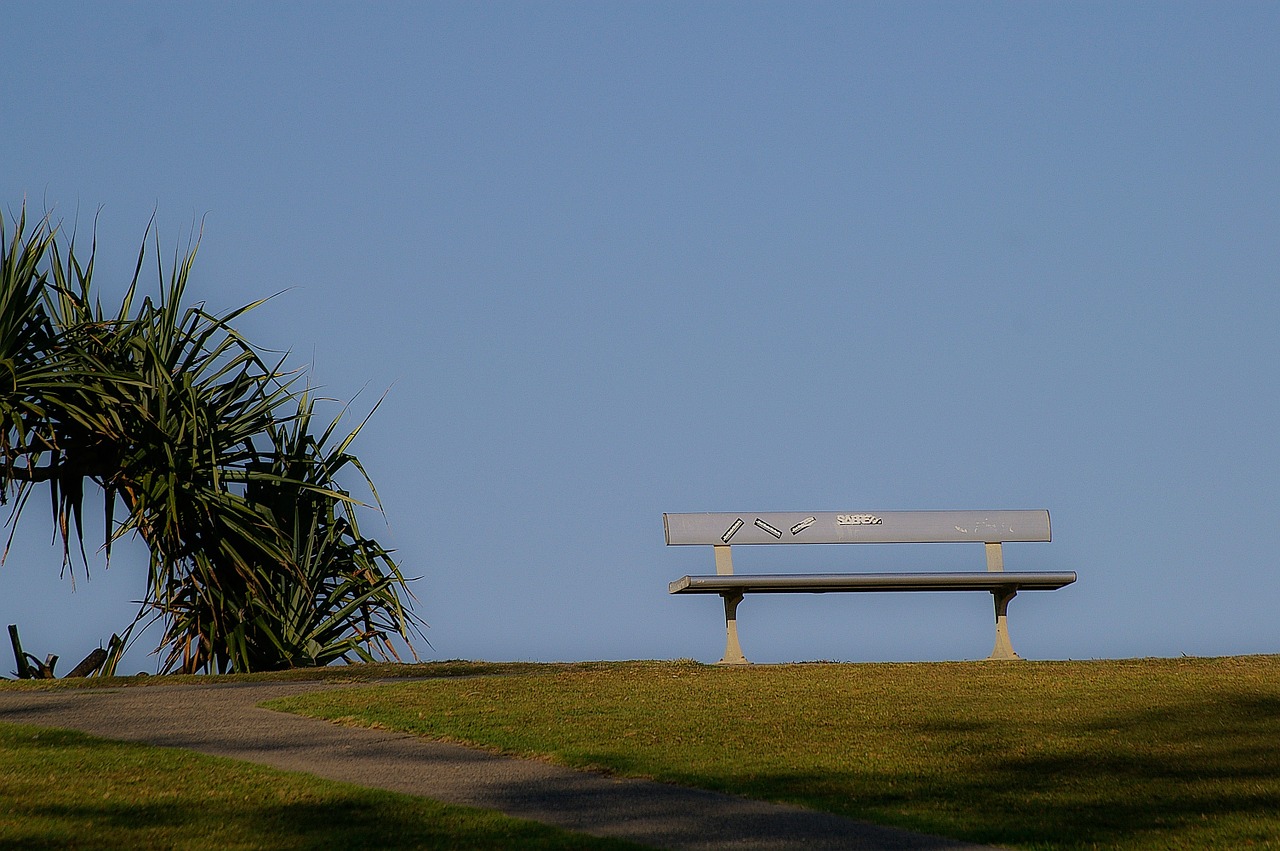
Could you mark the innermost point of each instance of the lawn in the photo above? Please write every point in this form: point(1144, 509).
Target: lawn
point(61, 789)
point(1154, 753)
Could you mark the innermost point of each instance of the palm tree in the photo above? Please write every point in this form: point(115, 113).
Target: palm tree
point(204, 446)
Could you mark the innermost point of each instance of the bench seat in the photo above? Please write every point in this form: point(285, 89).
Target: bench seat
point(819, 583)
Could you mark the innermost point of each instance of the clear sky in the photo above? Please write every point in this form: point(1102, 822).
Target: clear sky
point(614, 259)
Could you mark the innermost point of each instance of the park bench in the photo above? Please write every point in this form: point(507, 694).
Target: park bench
point(992, 528)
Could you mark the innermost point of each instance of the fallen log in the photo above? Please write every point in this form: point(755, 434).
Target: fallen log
point(89, 664)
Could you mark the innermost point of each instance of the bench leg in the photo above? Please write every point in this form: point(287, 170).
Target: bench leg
point(1003, 648)
point(732, 649)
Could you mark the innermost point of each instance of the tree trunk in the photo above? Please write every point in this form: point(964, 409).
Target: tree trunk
point(24, 670)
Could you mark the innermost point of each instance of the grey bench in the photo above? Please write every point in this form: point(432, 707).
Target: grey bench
point(991, 528)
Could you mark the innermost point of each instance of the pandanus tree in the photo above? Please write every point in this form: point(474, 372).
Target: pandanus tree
point(200, 446)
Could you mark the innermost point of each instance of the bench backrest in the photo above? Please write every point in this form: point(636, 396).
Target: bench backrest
point(856, 527)
point(724, 530)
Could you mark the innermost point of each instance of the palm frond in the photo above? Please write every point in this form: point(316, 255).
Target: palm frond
point(256, 559)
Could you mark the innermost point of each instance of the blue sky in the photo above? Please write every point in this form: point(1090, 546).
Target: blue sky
point(609, 260)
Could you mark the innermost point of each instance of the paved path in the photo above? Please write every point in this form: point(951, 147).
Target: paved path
point(225, 720)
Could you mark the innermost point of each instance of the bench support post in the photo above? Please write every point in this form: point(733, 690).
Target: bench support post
point(1004, 647)
point(724, 561)
point(732, 649)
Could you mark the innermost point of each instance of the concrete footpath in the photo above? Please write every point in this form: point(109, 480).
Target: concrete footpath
point(225, 720)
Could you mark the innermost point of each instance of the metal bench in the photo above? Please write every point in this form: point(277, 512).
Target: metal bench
point(991, 528)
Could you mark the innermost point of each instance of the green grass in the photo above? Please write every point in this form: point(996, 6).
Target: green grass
point(61, 789)
point(1158, 753)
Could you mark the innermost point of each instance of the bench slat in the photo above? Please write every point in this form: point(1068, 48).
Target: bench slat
point(818, 583)
point(852, 527)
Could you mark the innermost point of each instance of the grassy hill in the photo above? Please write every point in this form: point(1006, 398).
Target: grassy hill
point(1151, 753)
point(1132, 754)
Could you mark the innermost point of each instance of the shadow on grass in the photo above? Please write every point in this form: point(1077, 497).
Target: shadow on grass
point(1202, 774)
point(341, 824)
point(1198, 772)
point(62, 789)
